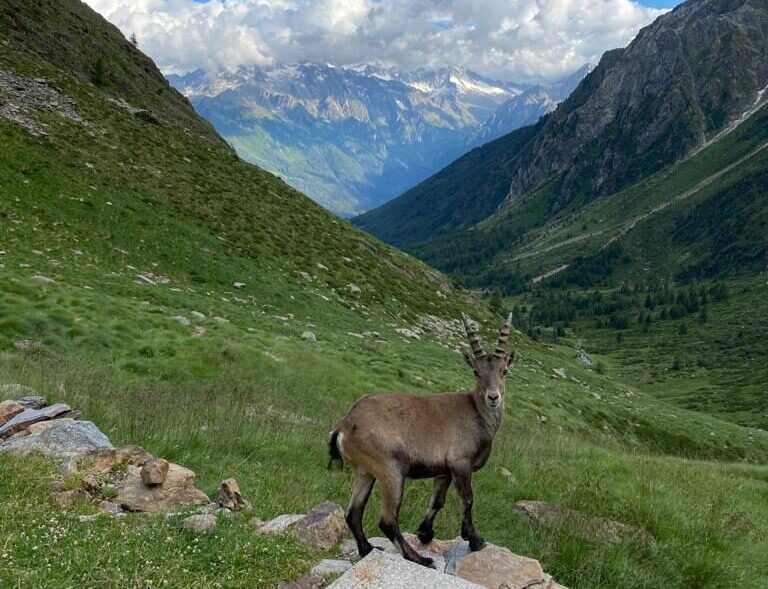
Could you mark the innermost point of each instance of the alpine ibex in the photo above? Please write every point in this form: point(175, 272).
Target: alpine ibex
point(392, 437)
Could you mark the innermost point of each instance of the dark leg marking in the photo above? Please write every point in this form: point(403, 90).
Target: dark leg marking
point(361, 491)
point(391, 499)
point(463, 483)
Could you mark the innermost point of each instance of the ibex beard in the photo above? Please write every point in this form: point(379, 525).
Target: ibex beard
point(448, 436)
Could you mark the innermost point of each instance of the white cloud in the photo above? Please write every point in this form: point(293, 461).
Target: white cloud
point(509, 39)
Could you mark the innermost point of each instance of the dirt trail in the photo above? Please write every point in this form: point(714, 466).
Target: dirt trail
point(683, 196)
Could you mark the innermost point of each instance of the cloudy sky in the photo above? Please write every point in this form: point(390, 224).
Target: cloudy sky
point(509, 39)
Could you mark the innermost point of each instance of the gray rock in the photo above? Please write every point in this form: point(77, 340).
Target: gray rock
point(33, 401)
point(197, 315)
point(330, 567)
point(494, 566)
point(323, 527)
point(381, 570)
point(282, 523)
point(239, 285)
point(308, 336)
point(43, 279)
point(183, 320)
point(353, 289)
point(31, 416)
point(231, 498)
point(64, 438)
point(199, 524)
point(110, 508)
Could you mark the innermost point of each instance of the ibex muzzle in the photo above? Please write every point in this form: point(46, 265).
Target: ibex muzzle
point(392, 437)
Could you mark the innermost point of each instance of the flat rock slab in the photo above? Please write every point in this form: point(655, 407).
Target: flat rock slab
point(30, 416)
point(495, 567)
point(381, 570)
point(65, 438)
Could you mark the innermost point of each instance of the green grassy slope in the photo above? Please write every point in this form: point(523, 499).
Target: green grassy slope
point(112, 230)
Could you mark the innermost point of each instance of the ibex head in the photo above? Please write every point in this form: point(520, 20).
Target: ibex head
point(490, 371)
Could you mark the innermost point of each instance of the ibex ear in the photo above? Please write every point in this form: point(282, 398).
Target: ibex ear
point(468, 360)
point(510, 359)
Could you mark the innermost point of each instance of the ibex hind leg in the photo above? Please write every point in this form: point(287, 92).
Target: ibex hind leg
point(391, 499)
point(361, 491)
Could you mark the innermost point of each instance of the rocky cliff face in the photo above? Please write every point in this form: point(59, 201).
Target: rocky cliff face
point(682, 80)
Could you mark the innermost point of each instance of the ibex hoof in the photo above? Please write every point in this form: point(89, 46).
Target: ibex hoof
point(425, 535)
point(476, 543)
point(427, 562)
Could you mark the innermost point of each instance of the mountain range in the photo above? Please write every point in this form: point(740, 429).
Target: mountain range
point(354, 137)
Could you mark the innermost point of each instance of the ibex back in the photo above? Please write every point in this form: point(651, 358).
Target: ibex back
point(392, 437)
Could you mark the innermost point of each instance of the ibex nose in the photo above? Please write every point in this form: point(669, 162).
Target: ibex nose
point(493, 397)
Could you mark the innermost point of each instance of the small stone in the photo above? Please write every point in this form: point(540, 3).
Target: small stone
point(305, 276)
point(154, 471)
point(281, 524)
point(9, 410)
point(91, 485)
point(323, 527)
point(197, 315)
point(183, 320)
point(110, 507)
point(43, 279)
point(330, 567)
point(559, 373)
point(239, 285)
point(353, 289)
point(308, 336)
point(87, 518)
point(199, 524)
point(66, 499)
point(405, 332)
point(305, 582)
point(222, 512)
point(231, 497)
point(32, 402)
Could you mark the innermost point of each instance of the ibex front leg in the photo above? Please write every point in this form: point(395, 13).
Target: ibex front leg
point(426, 532)
point(463, 482)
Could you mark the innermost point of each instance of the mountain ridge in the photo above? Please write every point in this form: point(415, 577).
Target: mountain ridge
point(353, 137)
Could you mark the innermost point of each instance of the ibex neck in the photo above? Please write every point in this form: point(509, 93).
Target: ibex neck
point(489, 418)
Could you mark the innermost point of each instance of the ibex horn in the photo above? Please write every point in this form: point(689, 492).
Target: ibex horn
point(501, 345)
point(474, 342)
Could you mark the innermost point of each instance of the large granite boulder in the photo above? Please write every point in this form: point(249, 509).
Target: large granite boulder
point(382, 570)
point(64, 438)
point(495, 567)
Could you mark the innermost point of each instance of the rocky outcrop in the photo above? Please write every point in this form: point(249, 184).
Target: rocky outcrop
point(177, 490)
point(64, 438)
point(653, 102)
point(31, 416)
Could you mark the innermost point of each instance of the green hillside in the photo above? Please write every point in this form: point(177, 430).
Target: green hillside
point(163, 286)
